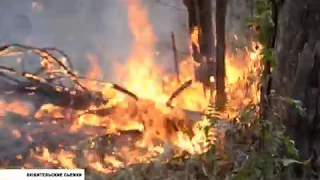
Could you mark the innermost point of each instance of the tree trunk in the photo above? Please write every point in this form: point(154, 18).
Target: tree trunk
point(221, 7)
point(200, 14)
point(192, 17)
point(297, 72)
point(207, 36)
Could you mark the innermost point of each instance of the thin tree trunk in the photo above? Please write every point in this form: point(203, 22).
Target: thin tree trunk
point(221, 6)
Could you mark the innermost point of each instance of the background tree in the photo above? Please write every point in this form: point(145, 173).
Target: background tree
point(295, 77)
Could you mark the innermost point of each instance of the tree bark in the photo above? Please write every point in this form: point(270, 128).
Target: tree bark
point(297, 72)
point(207, 36)
point(221, 6)
point(200, 15)
point(192, 17)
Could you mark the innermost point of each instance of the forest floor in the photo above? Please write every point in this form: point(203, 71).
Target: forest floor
point(29, 142)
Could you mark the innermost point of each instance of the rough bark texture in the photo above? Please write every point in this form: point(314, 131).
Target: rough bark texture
point(297, 71)
point(221, 6)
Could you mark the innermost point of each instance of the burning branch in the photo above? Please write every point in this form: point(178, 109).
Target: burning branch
point(123, 90)
point(116, 87)
point(178, 91)
point(62, 96)
point(52, 86)
point(45, 56)
point(59, 95)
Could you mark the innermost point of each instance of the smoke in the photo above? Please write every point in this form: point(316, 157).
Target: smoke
point(98, 27)
point(81, 27)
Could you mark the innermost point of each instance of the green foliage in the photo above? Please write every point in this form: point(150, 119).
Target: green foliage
point(264, 23)
point(263, 146)
point(256, 149)
point(297, 105)
point(268, 57)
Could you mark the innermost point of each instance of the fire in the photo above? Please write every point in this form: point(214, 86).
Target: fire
point(195, 36)
point(145, 77)
point(140, 64)
point(148, 117)
point(17, 107)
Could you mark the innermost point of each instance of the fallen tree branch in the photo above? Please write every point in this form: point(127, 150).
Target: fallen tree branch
point(176, 93)
point(79, 99)
point(44, 54)
point(123, 90)
point(62, 53)
point(114, 86)
point(58, 95)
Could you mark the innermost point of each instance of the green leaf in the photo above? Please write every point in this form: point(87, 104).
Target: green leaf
point(297, 105)
point(268, 57)
point(287, 162)
point(289, 144)
point(210, 154)
point(265, 15)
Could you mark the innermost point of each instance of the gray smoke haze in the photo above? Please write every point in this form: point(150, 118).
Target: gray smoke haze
point(98, 27)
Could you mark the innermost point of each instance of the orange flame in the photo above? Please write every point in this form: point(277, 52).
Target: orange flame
point(139, 74)
point(143, 76)
point(195, 36)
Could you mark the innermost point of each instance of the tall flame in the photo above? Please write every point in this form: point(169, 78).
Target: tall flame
point(139, 74)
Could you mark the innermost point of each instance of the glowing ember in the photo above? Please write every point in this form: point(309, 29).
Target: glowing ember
point(17, 107)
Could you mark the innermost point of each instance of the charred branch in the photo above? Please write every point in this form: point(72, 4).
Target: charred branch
point(116, 87)
point(51, 86)
point(58, 95)
point(178, 92)
point(45, 55)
